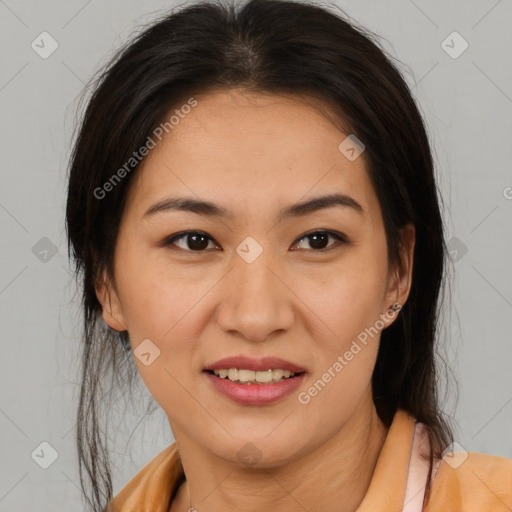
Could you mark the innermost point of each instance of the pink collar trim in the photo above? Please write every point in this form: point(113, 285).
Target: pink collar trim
point(418, 470)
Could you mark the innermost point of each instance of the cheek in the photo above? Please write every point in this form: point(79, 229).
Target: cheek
point(345, 353)
point(163, 308)
point(347, 300)
point(163, 319)
point(155, 295)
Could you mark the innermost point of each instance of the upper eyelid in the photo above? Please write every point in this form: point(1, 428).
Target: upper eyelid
point(338, 236)
point(178, 236)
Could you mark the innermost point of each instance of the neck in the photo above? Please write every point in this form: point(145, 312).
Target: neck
point(333, 477)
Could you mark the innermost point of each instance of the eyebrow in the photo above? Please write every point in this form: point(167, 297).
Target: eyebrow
point(210, 209)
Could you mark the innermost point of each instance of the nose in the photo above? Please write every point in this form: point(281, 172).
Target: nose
point(256, 300)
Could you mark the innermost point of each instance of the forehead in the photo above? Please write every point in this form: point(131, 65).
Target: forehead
point(254, 150)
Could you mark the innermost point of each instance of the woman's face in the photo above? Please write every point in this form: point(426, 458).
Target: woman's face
point(252, 284)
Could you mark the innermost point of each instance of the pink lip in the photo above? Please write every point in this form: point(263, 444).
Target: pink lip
point(249, 363)
point(255, 394)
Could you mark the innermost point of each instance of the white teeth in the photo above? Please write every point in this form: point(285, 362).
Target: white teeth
point(246, 375)
point(264, 376)
point(253, 377)
point(277, 375)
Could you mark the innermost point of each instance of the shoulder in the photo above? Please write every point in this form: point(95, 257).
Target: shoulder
point(472, 481)
point(152, 488)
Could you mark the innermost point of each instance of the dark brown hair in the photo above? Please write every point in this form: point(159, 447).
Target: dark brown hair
point(271, 46)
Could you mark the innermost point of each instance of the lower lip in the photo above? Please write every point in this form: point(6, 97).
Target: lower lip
point(255, 394)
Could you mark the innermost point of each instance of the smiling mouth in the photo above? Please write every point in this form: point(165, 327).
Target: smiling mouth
point(252, 377)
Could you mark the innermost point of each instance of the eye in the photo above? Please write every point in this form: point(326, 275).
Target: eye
point(197, 241)
point(193, 241)
point(318, 240)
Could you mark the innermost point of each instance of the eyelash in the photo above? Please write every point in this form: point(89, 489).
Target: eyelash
point(339, 237)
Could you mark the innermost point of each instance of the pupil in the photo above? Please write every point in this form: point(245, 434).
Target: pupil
point(318, 241)
point(198, 246)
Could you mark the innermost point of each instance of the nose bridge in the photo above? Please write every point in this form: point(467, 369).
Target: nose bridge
point(257, 302)
point(254, 279)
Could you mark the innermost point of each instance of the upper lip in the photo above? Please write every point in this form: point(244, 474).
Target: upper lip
point(256, 364)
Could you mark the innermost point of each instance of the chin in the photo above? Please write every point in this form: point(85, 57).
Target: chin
point(259, 450)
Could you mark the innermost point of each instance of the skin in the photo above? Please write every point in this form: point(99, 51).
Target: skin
point(255, 154)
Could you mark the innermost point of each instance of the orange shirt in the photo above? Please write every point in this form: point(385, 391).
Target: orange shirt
point(468, 482)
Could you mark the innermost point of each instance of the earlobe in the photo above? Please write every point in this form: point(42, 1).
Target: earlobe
point(110, 304)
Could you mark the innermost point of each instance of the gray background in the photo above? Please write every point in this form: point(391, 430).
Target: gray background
point(467, 104)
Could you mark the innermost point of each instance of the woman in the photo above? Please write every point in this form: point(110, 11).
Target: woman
point(253, 212)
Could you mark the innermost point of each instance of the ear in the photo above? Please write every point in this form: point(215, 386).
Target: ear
point(110, 303)
point(400, 277)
